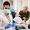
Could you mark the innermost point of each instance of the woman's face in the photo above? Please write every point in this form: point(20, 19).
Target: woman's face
point(6, 7)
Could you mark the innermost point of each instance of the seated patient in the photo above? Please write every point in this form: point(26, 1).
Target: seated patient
point(24, 13)
point(20, 22)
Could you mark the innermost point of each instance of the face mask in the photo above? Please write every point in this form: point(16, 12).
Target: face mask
point(6, 11)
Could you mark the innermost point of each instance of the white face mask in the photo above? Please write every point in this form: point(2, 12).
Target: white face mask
point(6, 11)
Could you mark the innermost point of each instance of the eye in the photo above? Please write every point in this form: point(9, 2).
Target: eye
point(6, 8)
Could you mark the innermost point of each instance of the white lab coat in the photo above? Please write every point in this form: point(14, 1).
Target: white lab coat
point(4, 21)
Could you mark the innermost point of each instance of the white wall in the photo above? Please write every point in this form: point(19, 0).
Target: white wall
point(29, 4)
point(18, 4)
point(1, 2)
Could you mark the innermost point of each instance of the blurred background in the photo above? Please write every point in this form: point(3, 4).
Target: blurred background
point(16, 4)
point(19, 4)
point(1, 4)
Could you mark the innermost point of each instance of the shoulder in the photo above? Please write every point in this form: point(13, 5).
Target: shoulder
point(17, 18)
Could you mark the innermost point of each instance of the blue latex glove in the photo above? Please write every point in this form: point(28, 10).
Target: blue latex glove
point(8, 26)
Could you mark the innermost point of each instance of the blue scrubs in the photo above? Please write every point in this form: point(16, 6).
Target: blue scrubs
point(10, 25)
